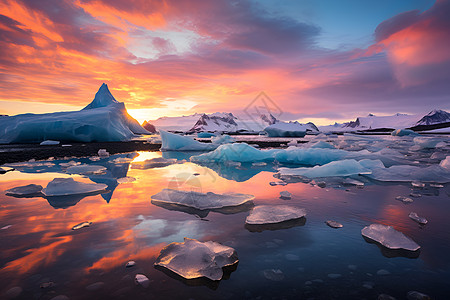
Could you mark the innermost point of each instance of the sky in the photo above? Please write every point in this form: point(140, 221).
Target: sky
point(317, 60)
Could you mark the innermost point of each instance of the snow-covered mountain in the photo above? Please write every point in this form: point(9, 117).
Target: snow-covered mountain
point(219, 121)
point(435, 117)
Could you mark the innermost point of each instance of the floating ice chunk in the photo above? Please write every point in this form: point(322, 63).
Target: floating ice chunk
point(49, 142)
point(345, 167)
point(323, 145)
point(285, 195)
point(426, 142)
point(275, 183)
point(30, 190)
point(122, 160)
point(201, 201)
point(388, 237)
point(205, 135)
point(158, 162)
point(68, 186)
point(334, 224)
point(103, 153)
point(240, 152)
point(259, 164)
point(6, 227)
point(403, 132)
point(413, 216)
point(291, 129)
point(293, 143)
point(193, 259)
point(435, 185)
point(404, 199)
point(414, 295)
point(86, 169)
point(270, 214)
point(176, 142)
point(415, 195)
point(309, 156)
point(142, 280)
point(69, 164)
point(130, 264)
point(432, 173)
point(418, 184)
point(126, 179)
point(445, 163)
point(223, 139)
point(81, 225)
point(273, 274)
point(232, 163)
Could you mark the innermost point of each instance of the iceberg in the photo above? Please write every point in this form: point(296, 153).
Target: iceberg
point(270, 214)
point(193, 259)
point(404, 132)
point(25, 191)
point(201, 201)
point(388, 237)
point(176, 142)
point(346, 167)
point(103, 120)
point(291, 129)
point(68, 186)
point(223, 139)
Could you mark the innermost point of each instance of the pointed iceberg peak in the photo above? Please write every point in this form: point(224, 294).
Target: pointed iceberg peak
point(102, 98)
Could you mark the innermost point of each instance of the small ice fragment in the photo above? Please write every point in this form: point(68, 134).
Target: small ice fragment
point(414, 295)
point(383, 272)
point(273, 274)
point(193, 259)
point(103, 153)
point(291, 257)
point(81, 225)
point(404, 199)
point(334, 224)
point(85, 169)
point(66, 145)
point(388, 237)
point(142, 280)
point(418, 184)
point(49, 142)
point(415, 195)
point(231, 163)
point(5, 227)
point(270, 214)
point(436, 185)
point(285, 195)
point(259, 164)
point(130, 264)
point(334, 276)
point(350, 181)
point(48, 284)
point(122, 160)
point(126, 179)
point(70, 164)
point(275, 183)
point(94, 158)
point(413, 216)
point(68, 186)
point(321, 184)
point(25, 190)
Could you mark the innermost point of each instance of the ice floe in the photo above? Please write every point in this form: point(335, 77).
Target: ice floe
point(344, 167)
point(413, 216)
point(201, 201)
point(270, 214)
point(85, 169)
point(404, 199)
point(388, 237)
point(192, 259)
point(30, 190)
point(126, 179)
point(68, 186)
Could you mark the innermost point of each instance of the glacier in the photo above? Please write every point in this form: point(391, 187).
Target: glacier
point(103, 120)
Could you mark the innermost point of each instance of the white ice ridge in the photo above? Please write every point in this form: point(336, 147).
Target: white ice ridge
point(271, 214)
point(176, 142)
point(68, 186)
point(193, 259)
point(201, 201)
point(389, 237)
point(103, 120)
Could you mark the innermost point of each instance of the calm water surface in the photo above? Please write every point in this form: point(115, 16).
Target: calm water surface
point(291, 263)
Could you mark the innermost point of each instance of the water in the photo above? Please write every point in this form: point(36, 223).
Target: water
point(291, 263)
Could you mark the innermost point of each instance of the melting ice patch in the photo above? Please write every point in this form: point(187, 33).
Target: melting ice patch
point(193, 259)
point(388, 237)
point(201, 201)
point(270, 214)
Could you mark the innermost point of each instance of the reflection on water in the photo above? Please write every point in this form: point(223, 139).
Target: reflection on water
point(40, 246)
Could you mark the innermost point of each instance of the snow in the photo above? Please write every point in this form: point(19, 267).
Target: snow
point(100, 121)
point(30, 190)
point(270, 214)
point(176, 142)
point(49, 142)
point(388, 237)
point(344, 167)
point(199, 200)
point(291, 129)
point(193, 259)
point(413, 216)
point(85, 169)
point(68, 186)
